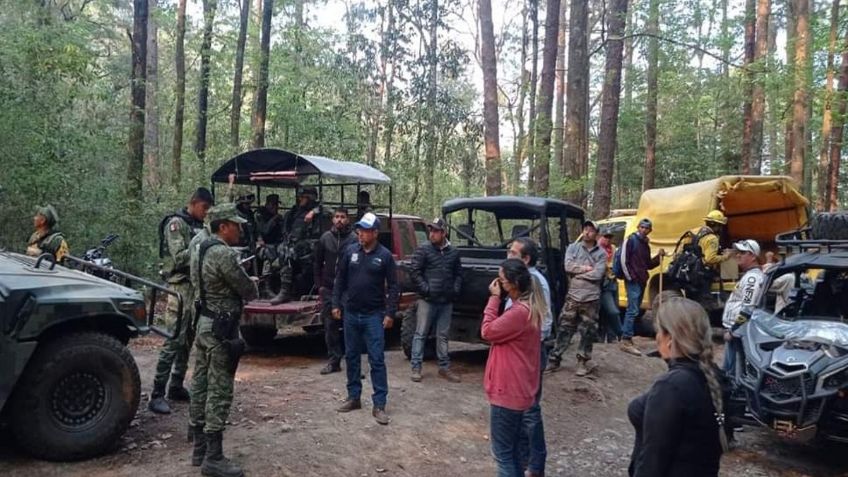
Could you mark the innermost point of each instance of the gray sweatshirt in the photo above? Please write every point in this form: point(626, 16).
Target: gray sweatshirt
point(583, 285)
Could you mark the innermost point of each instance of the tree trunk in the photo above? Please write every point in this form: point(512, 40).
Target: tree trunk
point(651, 100)
point(822, 191)
point(790, 66)
point(758, 103)
point(235, 112)
point(748, 108)
point(773, 102)
point(135, 143)
point(490, 100)
point(151, 107)
point(203, 90)
point(260, 103)
point(799, 106)
point(607, 138)
point(432, 83)
point(546, 100)
point(576, 108)
point(518, 147)
point(179, 95)
point(725, 48)
point(836, 132)
point(629, 46)
point(391, 54)
point(530, 143)
point(559, 107)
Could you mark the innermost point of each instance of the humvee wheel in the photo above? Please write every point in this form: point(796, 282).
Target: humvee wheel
point(76, 397)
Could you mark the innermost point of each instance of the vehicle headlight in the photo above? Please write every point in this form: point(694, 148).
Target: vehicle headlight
point(836, 380)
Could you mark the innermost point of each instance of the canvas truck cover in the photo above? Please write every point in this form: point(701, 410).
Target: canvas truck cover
point(757, 207)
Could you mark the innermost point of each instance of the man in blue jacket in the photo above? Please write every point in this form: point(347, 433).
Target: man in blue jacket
point(636, 261)
point(367, 277)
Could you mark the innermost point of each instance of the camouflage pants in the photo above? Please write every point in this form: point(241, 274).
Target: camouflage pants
point(212, 385)
point(576, 317)
point(173, 358)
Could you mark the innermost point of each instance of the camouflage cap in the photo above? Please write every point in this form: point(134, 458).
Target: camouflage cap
point(226, 212)
point(49, 213)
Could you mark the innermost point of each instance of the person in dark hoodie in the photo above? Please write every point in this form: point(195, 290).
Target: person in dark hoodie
point(636, 260)
point(327, 252)
point(680, 422)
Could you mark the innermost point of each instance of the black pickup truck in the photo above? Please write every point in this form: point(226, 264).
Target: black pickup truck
point(482, 229)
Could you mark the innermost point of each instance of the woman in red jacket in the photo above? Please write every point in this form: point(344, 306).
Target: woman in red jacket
point(512, 371)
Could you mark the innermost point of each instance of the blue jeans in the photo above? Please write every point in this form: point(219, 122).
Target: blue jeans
point(532, 446)
point(610, 314)
point(429, 314)
point(634, 299)
point(730, 349)
point(367, 329)
point(506, 427)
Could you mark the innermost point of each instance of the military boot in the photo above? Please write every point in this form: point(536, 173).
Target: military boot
point(199, 450)
point(215, 464)
point(582, 369)
point(157, 403)
point(282, 297)
point(176, 390)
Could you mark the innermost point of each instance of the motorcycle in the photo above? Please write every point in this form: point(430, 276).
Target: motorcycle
point(98, 256)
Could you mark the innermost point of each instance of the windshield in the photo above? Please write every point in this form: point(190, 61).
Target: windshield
point(827, 332)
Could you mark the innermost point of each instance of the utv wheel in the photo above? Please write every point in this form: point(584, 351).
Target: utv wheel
point(830, 226)
point(407, 332)
point(258, 336)
point(76, 397)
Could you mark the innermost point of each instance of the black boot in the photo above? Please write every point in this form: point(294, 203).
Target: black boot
point(157, 403)
point(215, 464)
point(199, 450)
point(176, 390)
point(282, 297)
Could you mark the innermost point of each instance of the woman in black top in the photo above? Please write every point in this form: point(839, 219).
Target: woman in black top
point(679, 421)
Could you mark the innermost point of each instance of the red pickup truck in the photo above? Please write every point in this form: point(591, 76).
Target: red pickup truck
point(261, 322)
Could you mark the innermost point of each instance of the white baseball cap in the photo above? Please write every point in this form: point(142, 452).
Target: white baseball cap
point(368, 221)
point(748, 245)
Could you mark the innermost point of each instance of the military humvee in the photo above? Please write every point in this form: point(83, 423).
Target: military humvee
point(69, 386)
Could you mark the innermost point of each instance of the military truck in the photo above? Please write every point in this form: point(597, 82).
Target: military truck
point(69, 386)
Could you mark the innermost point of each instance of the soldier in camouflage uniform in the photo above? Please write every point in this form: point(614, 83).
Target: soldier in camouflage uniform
point(222, 287)
point(47, 238)
point(298, 226)
point(176, 233)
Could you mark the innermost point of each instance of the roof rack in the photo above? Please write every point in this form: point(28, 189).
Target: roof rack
point(803, 240)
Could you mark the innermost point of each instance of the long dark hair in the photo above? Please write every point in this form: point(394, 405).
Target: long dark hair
point(517, 274)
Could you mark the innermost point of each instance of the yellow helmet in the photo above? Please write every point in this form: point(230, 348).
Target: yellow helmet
point(716, 216)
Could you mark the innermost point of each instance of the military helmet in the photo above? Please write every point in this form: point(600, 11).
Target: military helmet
point(716, 217)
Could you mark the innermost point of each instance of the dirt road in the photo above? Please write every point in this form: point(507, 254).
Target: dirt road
point(284, 424)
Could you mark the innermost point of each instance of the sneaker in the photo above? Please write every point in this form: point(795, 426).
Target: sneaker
point(582, 369)
point(416, 375)
point(159, 405)
point(331, 368)
point(628, 347)
point(449, 375)
point(380, 416)
point(350, 405)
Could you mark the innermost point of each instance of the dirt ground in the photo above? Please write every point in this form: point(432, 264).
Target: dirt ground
point(284, 423)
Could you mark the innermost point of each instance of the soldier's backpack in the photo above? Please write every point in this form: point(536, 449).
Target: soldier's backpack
point(688, 269)
point(163, 249)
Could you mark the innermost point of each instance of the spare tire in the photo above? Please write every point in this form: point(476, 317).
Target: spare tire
point(830, 226)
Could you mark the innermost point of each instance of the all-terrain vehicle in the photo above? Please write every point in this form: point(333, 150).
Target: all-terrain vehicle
point(482, 229)
point(792, 372)
point(338, 183)
point(69, 386)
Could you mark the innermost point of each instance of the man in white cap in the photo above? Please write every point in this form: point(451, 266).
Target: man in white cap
point(749, 289)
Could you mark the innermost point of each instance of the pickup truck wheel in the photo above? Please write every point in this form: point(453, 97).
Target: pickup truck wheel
point(258, 336)
point(76, 397)
point(407, 332)
point(830, 226)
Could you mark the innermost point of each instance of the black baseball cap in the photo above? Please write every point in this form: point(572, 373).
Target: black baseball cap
point(438, 224)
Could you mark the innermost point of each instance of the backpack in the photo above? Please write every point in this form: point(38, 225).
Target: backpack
point(163, 224)
point(688, 269)
point(617, 268)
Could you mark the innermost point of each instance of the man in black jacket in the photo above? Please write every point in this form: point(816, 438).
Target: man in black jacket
point(437, 276)
point(327, 252)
